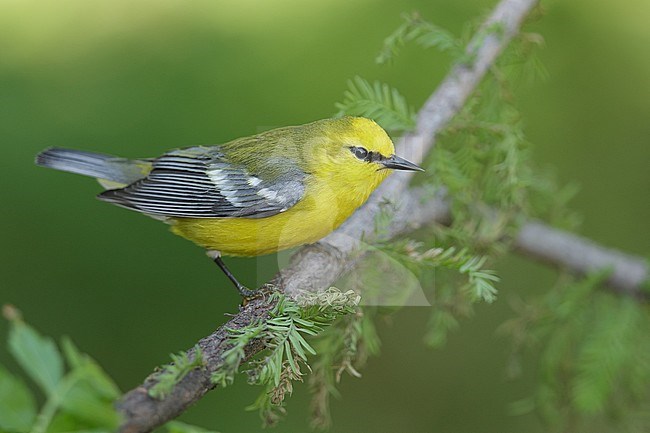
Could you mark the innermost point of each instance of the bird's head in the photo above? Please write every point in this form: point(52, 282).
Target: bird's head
point(353, 154)
point(359, 149)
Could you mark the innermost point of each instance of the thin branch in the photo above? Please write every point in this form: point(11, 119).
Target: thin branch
point(582, 256)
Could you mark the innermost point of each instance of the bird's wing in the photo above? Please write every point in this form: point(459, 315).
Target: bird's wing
point(199, 182)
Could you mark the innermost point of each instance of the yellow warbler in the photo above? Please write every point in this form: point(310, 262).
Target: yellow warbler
point(253, 195)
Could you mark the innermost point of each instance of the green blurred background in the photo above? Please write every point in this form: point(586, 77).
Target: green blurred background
point(138, 78)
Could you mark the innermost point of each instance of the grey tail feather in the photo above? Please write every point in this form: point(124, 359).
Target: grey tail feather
point(91, 164)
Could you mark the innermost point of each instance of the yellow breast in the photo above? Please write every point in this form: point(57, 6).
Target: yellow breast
point(327, 203)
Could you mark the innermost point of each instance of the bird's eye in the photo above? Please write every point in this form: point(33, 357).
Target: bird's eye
point(359, 152)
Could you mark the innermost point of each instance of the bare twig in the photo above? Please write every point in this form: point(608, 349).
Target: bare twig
point(318, 266)
point(582, 256)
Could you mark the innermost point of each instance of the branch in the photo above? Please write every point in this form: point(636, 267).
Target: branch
point(582, 256)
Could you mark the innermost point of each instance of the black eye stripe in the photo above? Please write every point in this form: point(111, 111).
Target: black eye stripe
point(363, 154)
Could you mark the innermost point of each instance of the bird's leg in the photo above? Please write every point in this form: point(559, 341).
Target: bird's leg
point(244, 291)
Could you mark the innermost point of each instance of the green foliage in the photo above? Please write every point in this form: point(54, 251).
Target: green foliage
point(17, 405)
point(453, 280)
point(79, 399)
point(485, 161)
point(521, 61)
point(37, 355)
point(173, 373)
point(480, 282)
point(379, 102)
point(284, 335)
point(594, 366)
point(424, 34)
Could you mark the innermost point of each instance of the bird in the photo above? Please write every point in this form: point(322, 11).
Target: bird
point(253, 195)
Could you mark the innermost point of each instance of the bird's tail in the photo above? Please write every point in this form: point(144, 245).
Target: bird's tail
point(111, 171)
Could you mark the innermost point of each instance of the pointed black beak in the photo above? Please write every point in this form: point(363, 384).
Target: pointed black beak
point(397, 163)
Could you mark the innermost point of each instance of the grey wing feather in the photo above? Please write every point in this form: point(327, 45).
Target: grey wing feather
point(199, 183)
